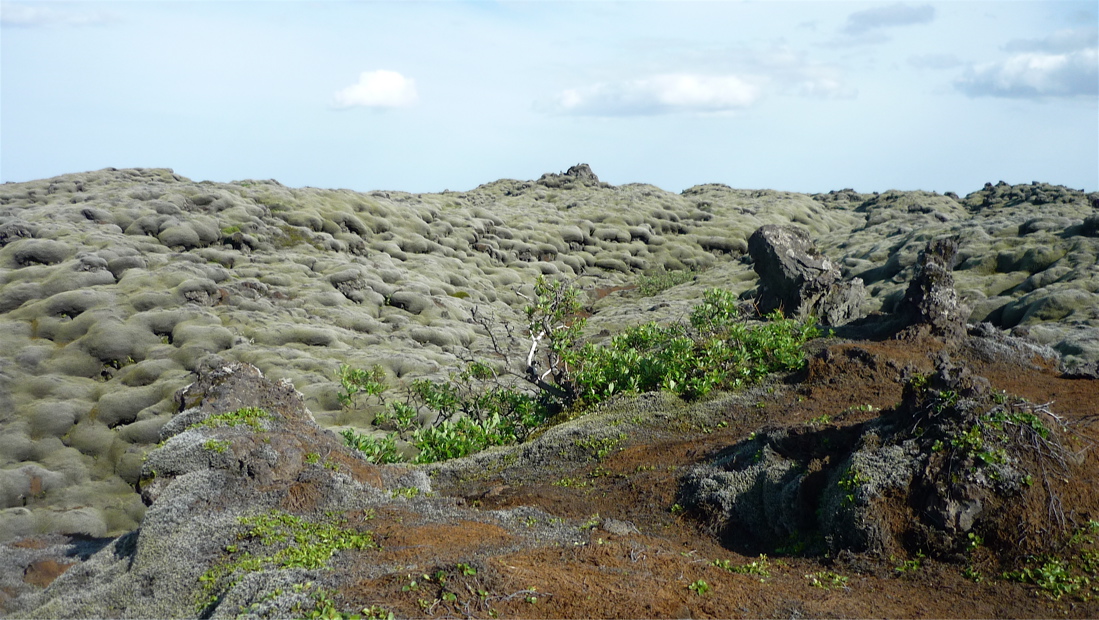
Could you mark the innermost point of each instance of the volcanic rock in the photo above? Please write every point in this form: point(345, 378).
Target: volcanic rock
point(931, 300)
point(797, 279)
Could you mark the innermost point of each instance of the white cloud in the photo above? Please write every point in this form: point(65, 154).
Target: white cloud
point(888, 17)
point(792, 72)
point(28, 16)
point(1035, 75)
point(378, 89)
point(660, 94)
point(1070, 40)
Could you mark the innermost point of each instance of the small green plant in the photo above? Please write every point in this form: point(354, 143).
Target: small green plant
point(324, 608)
point(827, 580)
point(975, 541)
point(973, 574)
point(850, 482)
point(821, 420)
point(760, 567)
point(1053, 576)
point(910, 566)
point(699, 587)
point(214, 445)
point(658, 281)
point(312, 458)
point(601, 448)
point(355, 381)
point(379, 451)
point(406, 492)
point(248, 416)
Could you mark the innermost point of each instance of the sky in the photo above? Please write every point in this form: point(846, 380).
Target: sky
point(424, 96)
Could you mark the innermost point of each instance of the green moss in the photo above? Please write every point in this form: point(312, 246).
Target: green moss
point(290, 541)
point(250, 416)
point(214, 445)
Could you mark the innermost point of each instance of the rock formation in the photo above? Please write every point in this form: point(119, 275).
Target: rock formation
point(580, 174)
point(931, 300)
point(949, 458)
point(796, 278)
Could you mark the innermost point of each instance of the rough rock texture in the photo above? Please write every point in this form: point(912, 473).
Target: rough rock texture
point(199, 550)
point(580, 174)
point(951, 458)
point(799, 280)
point(931, 300)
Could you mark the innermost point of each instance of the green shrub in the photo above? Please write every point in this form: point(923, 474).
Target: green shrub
point(471, 412)
point(355, 381)
point(717, 351)
point(484, 406)
point(376, 450)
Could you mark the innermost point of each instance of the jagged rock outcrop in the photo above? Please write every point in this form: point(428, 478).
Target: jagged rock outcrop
point(580, 174)
point(799, 280)
point(931, 300)
point(950, 459)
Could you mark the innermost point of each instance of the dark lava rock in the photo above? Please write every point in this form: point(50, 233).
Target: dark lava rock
point(580, 174)
point(952, 458)
point(931, 300)
point(799, 280)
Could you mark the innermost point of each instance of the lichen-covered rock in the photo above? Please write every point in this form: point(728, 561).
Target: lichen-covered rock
point(247, 496)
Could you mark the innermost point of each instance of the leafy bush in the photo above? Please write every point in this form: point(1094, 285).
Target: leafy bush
point(717, 350)
point(470, 412)
point(485, 405)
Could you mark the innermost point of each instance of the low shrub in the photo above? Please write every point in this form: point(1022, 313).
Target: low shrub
point(486, 405)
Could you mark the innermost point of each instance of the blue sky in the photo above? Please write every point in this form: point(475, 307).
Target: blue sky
point(426, 96)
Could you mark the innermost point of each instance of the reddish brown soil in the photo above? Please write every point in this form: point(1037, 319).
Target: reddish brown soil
point(649, 573)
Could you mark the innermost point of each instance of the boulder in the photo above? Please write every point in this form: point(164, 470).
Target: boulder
point(797, 279)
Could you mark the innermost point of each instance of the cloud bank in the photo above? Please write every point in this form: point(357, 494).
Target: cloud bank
point(659, 94)
point(1064, 64)
point(379, 89)
point(890, 16)
point(18, 15)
